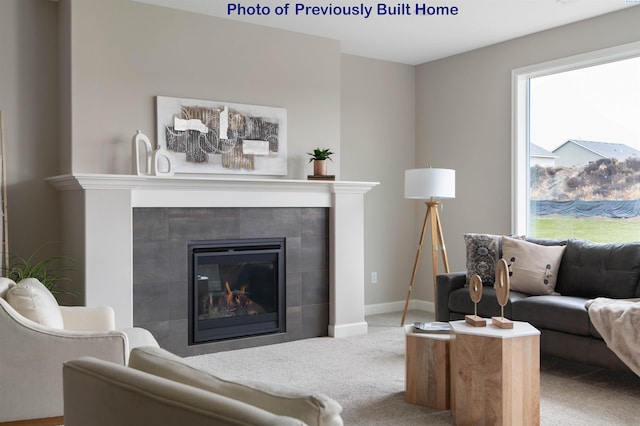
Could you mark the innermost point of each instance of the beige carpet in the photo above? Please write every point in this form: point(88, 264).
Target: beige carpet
point(366, 375)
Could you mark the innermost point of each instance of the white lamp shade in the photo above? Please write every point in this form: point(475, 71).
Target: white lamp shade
point(429, 183)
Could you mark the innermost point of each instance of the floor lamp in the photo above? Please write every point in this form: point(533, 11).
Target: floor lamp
point(431, 185)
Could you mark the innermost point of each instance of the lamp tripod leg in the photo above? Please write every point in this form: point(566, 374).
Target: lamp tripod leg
point(436, 230)
point(415, 267)
point(435, 236)
point(443, 249)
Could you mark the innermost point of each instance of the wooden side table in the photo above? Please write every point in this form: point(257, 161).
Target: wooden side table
point(427, 369)
point(495, 375)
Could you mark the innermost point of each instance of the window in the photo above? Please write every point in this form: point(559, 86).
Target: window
point(576, 147)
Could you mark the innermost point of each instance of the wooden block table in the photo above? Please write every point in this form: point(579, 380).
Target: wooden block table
point(495, 375)
point(427, 369)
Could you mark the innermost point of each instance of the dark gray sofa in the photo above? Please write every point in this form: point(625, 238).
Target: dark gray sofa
point(587, 270)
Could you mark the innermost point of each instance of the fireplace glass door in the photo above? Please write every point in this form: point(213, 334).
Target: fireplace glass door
point(237, 289)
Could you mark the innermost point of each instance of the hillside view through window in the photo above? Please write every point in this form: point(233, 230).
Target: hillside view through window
point(584, 153)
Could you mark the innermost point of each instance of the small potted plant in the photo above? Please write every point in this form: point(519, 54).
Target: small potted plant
point(319, 157)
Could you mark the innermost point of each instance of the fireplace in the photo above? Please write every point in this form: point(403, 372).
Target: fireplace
point(172, 246)
point(237, 288)
point(143, 224)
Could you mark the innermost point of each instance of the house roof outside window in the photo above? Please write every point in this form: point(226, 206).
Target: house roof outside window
point(576, 152)
point(538, 156)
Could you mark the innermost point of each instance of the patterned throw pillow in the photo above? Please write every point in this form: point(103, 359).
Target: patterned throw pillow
point(483, 252)
point(533, 268)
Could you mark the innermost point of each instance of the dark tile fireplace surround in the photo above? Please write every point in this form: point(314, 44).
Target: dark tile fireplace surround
point(160, 269)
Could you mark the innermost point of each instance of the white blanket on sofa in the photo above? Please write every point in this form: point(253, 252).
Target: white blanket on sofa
point(618, 322)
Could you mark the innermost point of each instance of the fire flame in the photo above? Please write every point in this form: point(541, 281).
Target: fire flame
point(237, 301)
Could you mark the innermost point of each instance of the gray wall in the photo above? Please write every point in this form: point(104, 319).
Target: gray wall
point(463, 115)
point(125, 53)
point(377, 144)
point(117, 55)
point(29, 103)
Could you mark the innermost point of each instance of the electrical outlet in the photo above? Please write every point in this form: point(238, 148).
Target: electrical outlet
point(374, 278)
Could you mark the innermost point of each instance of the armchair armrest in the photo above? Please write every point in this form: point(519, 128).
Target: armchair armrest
point(84, 318)
point(445, 284)
point(102, 319)
point(139, 337)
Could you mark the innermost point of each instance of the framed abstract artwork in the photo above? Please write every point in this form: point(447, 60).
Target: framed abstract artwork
point(221, 137)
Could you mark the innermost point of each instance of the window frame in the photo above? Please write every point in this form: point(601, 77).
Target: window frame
point(520, 123)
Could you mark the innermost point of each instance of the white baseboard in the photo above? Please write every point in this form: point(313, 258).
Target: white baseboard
point(347, 330)
point(359, 328)
point(385, 308)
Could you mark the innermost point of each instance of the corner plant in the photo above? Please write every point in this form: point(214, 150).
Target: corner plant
point(47, 270)
point(320, 154)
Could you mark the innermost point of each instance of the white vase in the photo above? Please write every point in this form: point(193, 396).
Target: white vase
point(140, 154)
point(161, 163)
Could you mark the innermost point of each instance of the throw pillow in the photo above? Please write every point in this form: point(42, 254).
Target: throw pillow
point(312, 408)
point(31, 299)
point(533, 268)
point(483, 252)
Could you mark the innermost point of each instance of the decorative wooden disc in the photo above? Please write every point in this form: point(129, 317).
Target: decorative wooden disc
point(502, 283)
point(475, 288)
point(475, 291)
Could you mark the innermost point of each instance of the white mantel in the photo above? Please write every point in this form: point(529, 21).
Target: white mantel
point(102, 205)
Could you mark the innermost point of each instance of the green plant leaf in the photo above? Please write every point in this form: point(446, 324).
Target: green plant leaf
point(320, 154)
point(49, 271)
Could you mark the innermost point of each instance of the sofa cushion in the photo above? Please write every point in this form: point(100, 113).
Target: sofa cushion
point(533, 268)
point(546, 241)
point(311, 408)
point(593, 270)
point(483, 252)
point(31, 299)
point(560, 313)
